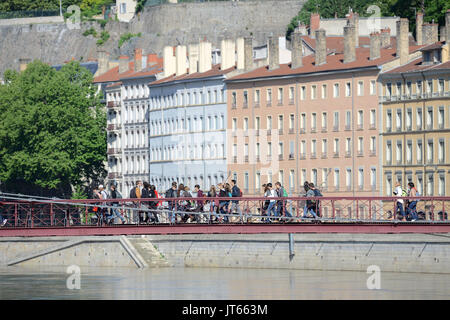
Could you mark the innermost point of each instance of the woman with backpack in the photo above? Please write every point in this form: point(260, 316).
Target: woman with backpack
point(411, 205)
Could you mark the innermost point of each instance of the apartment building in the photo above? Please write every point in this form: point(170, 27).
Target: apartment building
point(415, 102)
point(315, 119)
point(127, 101)
point(188, 117)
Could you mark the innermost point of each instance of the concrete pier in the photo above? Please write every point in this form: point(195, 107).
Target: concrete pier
point(423, 253)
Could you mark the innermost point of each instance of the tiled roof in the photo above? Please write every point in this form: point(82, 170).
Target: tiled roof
point(333, 63)
point(154, 65)
point(214, 71)
point(417, 65)
point(432, 46)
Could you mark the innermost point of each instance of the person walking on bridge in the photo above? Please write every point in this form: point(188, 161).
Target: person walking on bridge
point(3, 221)
point(115, 194)
point(172, 205)
point(135, 193)
point(236, 193)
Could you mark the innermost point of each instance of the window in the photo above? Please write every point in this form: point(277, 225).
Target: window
point(430, 151)
point(441, 153)
point(313, 91)
point(430, 185)
point(313, 149)
point(388, 90)
point(372, 118)
point(441, 118)
point(280, 96)
point(336, 121)
point(336, 90)
point(441, 186)
point(388, 185)
point(233, 100)
point(245, 124)
point(324, 121)
point(360, 178)
point(336, 179)
point(258, 150)
point(419, 119)
point(291, 181)
point(419, 151)
point(373, 87)
point(360, 119)
point(324, 91)
point(429, 87)
point(373, 178)
point(325, 178)
point(245, 105)
point(336, 147)
point(408, 89)
point(269, 149)
point(388, 152)
point(291, 149)
point(303, 122)
point(303, 177)
point(313, 122)
point(291, 95)
point(388, 120)
point(280, 150)
point(123, 8)
point(360, 88)
point(303, 93)
point(360, 146)
point(348, 178)
point(399, 89)
point(430, 118)
point(373, 145)
point(324, 148)
point(408, 119)
point(269, 97)
point(398, 152)
point(408, 152)
point(291, 123)
point(419, 88)
point(280, 124)
point(348, 89)
point(269, 122)
point(257, 123)
point(257, 97)
point(281, 177)
point(441, 86)
point(398, 120)
point(302, 149)
point(348, 120)
point(258, 180)
point(348, 147)
point(314, 176)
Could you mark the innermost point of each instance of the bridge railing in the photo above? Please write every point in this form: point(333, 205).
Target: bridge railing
point(30, 213)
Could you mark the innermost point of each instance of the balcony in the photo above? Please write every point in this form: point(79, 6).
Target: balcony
point(324, 129)
point(113, 127)
point(335, 128)
point(348, 154)
point(291, 101)
point(280, 157)
point(347, 127)
point(313, 155)
point(313, 129)
point(257, 132)
point(256, 105)
point(269, 132)
point(291, 156)
point(269, 158)
point(336, 155)
point(302, 156)
point(291, 130)
point(268, 103)
point(280, 102)
point(280, 131)
point(359, 127)
point(246, 158)
point(234, 159)
point(245, 105)
point(359, 153)
point(258, 158)
point(114, 175)
point(114, 151)
point(372, 153)
point(324, 155)
point(113, 104)
point(233, 105)
point(372, 126)
point(302, 130)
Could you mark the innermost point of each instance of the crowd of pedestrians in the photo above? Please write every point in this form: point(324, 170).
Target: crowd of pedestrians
point(406, 209)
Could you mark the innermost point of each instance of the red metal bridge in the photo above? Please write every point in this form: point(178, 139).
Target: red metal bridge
point(33, 216)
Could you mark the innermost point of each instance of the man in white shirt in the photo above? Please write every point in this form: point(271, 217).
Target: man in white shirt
point(398, 192)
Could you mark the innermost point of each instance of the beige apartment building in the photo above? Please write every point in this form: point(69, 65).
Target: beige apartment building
point(315, 119)
point(416, 123)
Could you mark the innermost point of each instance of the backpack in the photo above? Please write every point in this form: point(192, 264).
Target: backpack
point(317, 193)
point(404, 193)
point(285, 194)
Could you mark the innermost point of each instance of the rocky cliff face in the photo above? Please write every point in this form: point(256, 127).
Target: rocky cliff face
point(169, 24)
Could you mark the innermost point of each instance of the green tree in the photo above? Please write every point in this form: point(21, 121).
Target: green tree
point(52, 130)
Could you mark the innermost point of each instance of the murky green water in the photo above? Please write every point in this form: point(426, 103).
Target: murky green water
point(216, 283)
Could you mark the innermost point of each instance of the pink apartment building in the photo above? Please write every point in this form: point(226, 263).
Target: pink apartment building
point(315, 119)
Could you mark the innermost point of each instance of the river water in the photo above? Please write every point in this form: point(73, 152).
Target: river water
point(216, 283)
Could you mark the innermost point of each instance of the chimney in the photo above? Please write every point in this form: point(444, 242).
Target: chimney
point(349, 43)
point(205, 58)
point(297, 53)
point(430, 33)
point(321, 47)
point(169, 61)
point(419, 23)
point(301, 28)
point(375, 45)
point(123, 64)
point(248, 53)
point(23, 64)
point(137, 60)
point(103, 61)
point(193, 58)
point(314, 22)
point(181, 63)
point(442, 35)
point(447, 26)
point(385, 36)
point(402, 50)
point(353, 18)
point(227, 52)
point(240, 53)
point(273, 53)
